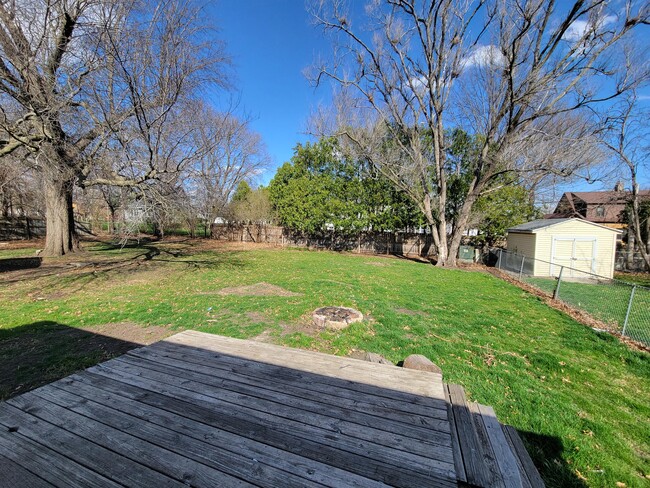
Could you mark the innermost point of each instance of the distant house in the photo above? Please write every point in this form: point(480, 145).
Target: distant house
point(601, 207)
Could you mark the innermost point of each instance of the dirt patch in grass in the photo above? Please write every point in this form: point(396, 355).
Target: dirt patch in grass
point(134, 333)
point(305, 327)
point(256, 317)
point(23, 244)
point(35, 354)
point(258, 290)
point(265, 336)
point(412, 313)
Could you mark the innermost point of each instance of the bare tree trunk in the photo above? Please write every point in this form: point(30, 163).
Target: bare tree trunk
point(440, 239)
point(60, 235)
point(636, 219)
point(630, 248)
point(112, 229)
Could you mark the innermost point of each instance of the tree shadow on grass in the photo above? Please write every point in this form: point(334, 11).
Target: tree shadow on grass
point(547, 454)
point(84, 270)
point(15, 264)
point(35, 354)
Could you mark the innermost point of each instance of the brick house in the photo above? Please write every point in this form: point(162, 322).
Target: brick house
point(601, 207)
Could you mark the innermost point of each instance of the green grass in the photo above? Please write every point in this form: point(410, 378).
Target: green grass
point(642, 279)
point(18, 253)
point(608, 302)
point(580, 399)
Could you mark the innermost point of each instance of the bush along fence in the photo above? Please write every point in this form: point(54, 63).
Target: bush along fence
point(623, 307)
point(407, 243)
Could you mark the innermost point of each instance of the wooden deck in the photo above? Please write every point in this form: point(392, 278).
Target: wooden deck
point(203, 410)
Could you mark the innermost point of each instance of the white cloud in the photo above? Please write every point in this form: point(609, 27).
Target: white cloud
point(579, 28)
point(419, 83)
point(482, 56)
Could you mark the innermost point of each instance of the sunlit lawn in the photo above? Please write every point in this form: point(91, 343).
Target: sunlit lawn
point(580, 399)
point(607, 301)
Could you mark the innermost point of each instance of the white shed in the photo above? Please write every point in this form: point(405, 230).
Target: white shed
point(579, 245)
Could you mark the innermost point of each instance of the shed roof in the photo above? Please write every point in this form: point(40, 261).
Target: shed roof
point(535, 225)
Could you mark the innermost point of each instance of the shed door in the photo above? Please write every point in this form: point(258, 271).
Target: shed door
point(576, 254)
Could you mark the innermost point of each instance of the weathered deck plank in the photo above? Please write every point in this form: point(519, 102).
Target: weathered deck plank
point(13, 474)
point(353, 454)
point(528, 469)
point(259, 396)
point(473, 455)
point(52, 467)
point(211, 411)
point(44, 404)
point(224, 444)
point(411, 382)
point(505, 459)
point(307, 385)
point(74, 447)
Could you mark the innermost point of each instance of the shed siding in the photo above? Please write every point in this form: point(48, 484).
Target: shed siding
point(605, 244)
point(540, 245)
point(524, 245)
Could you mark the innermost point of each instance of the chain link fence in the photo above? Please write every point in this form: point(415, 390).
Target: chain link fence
point(622, 307)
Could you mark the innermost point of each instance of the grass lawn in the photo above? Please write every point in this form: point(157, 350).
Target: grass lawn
point(607, 301)
point(579, 398)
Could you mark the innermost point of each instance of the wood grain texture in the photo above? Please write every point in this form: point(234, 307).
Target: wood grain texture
point(529, 469)
point(317, 442)
point(219, 442)
point(328, 390)
point(455, 443)
point(261, 395)
point(204, 411)
point(390, 378)
point(13, 474)
point(505, 459)
point(285, 375)
point(86, 453)
point(490, 465)
point(473, 455)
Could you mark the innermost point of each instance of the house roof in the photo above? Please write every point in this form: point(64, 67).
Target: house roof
point(535, 225)
point(583, 204)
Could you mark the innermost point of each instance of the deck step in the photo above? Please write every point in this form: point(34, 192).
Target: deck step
point(527, 469)
point(486, 453)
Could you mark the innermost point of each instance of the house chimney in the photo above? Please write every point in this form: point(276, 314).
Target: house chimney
point(619, 186)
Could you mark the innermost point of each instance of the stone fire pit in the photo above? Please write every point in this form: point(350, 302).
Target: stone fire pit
point(336, 317)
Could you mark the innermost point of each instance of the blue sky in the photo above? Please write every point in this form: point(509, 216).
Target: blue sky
point(271, 42)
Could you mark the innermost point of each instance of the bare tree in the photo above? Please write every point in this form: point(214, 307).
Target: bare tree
point(519, 74)
point(19, 190)
point(235, 154)
point(80, 79)
point(626, 134)
point(255, 207)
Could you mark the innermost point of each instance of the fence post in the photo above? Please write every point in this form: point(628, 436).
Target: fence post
point(521, 268)
point(499, 260)
point(629, 307)
point(556, 293)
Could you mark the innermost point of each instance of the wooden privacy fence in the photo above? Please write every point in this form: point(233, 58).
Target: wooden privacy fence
point(21, 228)
point(363, 243)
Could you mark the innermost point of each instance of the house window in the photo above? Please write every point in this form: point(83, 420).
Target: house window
point(600, 211)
